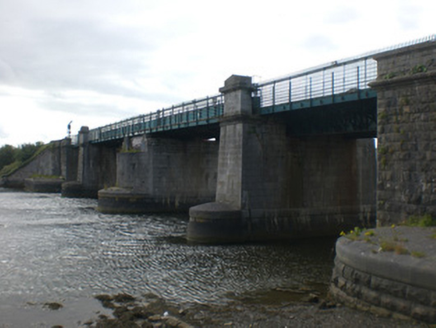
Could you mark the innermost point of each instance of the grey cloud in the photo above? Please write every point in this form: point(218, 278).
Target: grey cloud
point(98, 110)
point(65, 47)
point(60, 103)
point(62, 46)
point(72, 54)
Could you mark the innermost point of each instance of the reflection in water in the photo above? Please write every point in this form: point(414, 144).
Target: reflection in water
point(58, 248)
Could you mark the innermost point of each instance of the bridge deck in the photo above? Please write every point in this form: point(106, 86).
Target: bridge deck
point(338, 82)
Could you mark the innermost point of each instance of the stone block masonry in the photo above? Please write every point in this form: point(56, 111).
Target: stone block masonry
point(273, 185)
point(398, 282)
point(95, 168)
point(162, 175)
point(57, 161)
point(406, 101)
point(392, 271)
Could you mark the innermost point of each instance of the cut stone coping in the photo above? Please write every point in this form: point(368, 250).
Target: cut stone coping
point(367, 256)
point(215, 211)
point(215, 223)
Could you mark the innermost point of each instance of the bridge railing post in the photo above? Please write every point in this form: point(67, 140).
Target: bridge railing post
point(333, 87)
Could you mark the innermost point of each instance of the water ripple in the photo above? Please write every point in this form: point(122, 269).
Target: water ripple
point(52, 246)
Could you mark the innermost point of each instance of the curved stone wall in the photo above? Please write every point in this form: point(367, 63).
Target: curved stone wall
point(398, 281)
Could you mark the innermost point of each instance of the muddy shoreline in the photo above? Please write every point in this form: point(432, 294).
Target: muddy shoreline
point(151, 311)
point(274, 308)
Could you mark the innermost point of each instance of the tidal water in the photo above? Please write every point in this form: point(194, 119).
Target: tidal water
point(55, 249)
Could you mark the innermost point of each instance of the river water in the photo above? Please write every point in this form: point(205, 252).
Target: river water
point(55, 249)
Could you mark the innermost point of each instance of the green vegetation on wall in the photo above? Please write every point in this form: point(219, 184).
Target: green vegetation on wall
point(12, 158)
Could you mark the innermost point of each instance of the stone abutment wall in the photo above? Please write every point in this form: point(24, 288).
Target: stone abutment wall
point(46, 172)
point(406, 104)
point(391, 271)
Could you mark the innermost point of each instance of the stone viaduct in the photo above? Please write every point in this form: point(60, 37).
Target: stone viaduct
point(304, 172)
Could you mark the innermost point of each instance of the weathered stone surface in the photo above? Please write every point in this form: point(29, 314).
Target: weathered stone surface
point(361, 278)
point(389, 283)
point(44, 185)
point(419, 295)
point(406, 119)
point(163, 175)
point(96, 165)
point(371, 296)
point(287, 186)
point(57, 159)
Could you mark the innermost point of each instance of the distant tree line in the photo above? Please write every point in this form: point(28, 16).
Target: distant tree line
point(17, 155)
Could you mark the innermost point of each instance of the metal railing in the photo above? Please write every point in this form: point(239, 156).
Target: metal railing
point(193, 113)
point(338, 77)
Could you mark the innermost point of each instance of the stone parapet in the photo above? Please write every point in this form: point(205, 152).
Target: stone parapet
point(406, 61)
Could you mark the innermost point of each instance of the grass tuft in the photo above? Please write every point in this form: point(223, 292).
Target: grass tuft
point(421, 221)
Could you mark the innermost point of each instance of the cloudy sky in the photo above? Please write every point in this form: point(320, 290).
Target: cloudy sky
point(95, 62)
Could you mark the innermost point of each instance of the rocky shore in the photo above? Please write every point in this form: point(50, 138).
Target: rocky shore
point(151, 311)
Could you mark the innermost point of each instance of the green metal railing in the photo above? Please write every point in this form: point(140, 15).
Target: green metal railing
point(321, 82)
point(194, 113)
point(339, 81)
point(324, 83)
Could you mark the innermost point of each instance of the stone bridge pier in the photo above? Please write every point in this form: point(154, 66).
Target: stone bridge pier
point(161, 174)
point(272, 184)
point(95, 168)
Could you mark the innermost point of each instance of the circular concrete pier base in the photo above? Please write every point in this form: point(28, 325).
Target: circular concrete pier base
point(119, 200)
point(389, 271)
point(43, 185)
point(215, 223)
point(126, 201)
